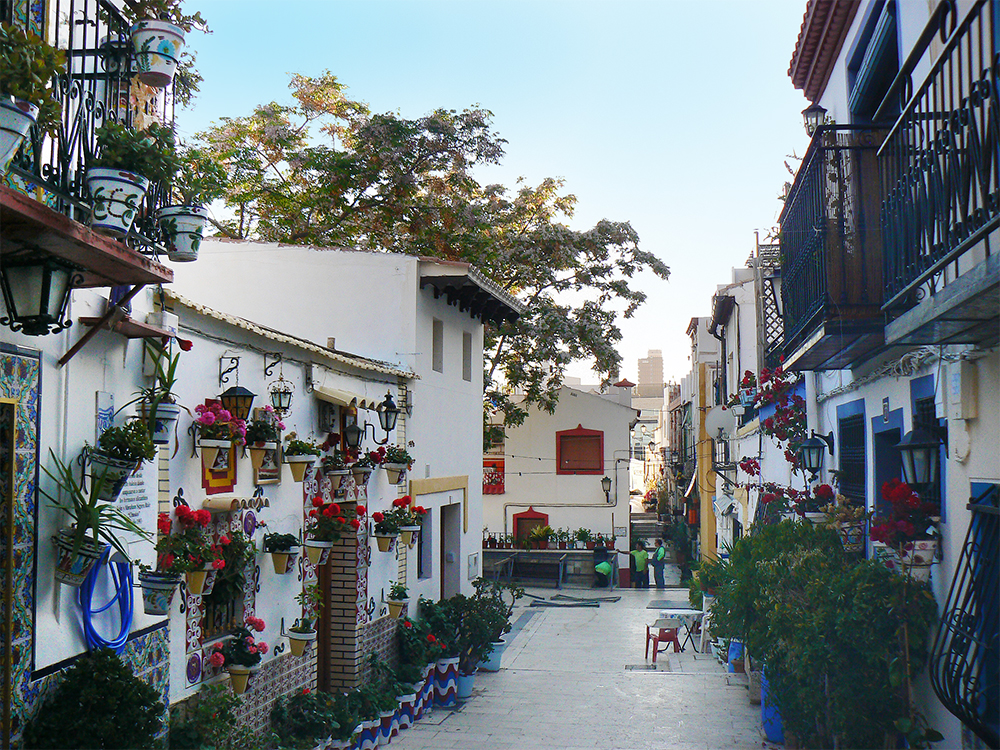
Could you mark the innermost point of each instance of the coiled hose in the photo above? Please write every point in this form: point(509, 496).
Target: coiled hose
point(121, 574)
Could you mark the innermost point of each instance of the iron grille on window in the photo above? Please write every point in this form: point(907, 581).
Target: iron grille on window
point(965, 660)
point(852, 457)
point(220, 618)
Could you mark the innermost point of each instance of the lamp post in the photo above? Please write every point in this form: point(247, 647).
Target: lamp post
point(812, 451)
point(388, 413)
point(606, 486)
point(813, 117)
point(36, 291)
point(919, 451)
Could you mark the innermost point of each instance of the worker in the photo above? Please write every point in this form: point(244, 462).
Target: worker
point(659, 562)
point(640, 566)
point(603, 572)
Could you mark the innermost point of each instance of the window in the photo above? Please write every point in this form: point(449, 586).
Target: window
point(580, 451)
point(467, 356)
point(874, 62)
point(852, 457)
point(424, 546)
point(437, 360)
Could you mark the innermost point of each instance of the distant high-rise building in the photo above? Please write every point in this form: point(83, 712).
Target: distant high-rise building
point(651, 375)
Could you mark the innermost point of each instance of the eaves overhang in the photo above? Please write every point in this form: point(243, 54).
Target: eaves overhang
point(824, 28)
point(462, 285)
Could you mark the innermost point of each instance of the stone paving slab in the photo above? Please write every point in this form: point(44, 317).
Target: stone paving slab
point(564, 685)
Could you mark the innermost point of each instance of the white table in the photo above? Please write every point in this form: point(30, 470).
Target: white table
point(689, 617)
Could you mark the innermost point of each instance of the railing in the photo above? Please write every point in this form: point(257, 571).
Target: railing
point(941, 161)
point(98, 86)
point(829, 231)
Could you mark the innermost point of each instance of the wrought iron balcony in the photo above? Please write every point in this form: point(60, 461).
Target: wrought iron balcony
point(831, 253)
point(99, 85)
point(941, 181)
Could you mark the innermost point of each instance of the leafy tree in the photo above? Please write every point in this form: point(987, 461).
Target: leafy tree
point(326, 171)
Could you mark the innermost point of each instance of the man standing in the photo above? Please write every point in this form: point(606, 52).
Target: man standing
point(659, 562)
point(640, 560)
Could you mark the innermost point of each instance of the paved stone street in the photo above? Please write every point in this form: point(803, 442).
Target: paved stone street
point(565, 683)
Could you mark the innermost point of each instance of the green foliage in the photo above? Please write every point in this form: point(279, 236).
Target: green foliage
point(90, 515)
point(167, 10)
point(411, 638)
point(29, 64)
point(296, 447)
point(207, 721)
point(129, 442)
point(263, 431)
point(386, 183)
point(150, 153)
point(842, 639)
point(98, 704)
point(398, 591)
point(200, 179)
point(231, 579)
point(310, 599)
point(304, 719)
point(275, 542)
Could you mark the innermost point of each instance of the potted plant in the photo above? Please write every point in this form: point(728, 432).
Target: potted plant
point(347, 720)
point(583, 536)
point(187, 551)
point(26, 95)
point(119, 453)
point(232, 552)
point(306, 718)
point(849, 520)
point(303, 630)
point(386, 529)
point(398, 598)
point(199, 181)
point(240, 653)
point(539, 536)
point(408, 518)
point(299, 455)
point(283, 549)
point(98, 702)
point(498, 600)
point(158, 38)
point(910, 532)
point(263, 435)
point(326, 523)
point(363, 467)
point(562, 537)
point(748, 389)
point(159, 403)
point(396, 462)
point(335, 468)
point(217, 430)
point(95, 524)
point(128, 161)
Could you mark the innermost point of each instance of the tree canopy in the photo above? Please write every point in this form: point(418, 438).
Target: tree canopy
point(326, 171)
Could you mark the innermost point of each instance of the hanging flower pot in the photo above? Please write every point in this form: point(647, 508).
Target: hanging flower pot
point(298, 640)
point(157, 46)
point(384, 541)
point(71, 568)
point(396, 607)
point(336, 477)
point(852, 535)
point(298, 465)
point(258, 451)
point(815, 518)
point(284, 562)
point(116, 196)
point(361, 474)
point(240, 677)
point(407, 534)
point(195, 580)
point(16, 119)
point(210, 450)
point(163, 425)
point(916, 558)
point(157, 590)
point(318, 552)
point(115, 471)
point(394, 472)
point(183, 228)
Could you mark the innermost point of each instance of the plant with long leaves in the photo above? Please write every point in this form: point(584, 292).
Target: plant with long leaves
point(99, 520)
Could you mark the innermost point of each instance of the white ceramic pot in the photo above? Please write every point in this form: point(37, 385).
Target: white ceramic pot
point(114, 471)
point(157, 46)
point(157, 591)
point(917, 557)
point(183, 228)
point(116, 196)
point(16, 119)
point(163, 427)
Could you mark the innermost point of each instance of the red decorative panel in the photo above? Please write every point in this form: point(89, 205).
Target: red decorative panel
point(493, 476)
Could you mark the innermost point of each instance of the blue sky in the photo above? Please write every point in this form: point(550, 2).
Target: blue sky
point(675, 116)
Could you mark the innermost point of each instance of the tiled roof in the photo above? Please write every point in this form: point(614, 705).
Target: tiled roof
point(824, 27)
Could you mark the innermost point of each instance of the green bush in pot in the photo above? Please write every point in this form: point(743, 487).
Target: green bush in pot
point(29, 64)
point(150, 153)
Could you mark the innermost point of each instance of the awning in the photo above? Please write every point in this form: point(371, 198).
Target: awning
point(342, 397)
point(724, 505)
point(694, 478)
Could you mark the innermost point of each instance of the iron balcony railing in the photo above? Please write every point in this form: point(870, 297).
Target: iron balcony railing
point(99, 85)
point(941, 160)
point(830, 253)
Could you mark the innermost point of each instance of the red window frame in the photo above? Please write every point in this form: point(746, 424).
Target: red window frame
point(580, 432)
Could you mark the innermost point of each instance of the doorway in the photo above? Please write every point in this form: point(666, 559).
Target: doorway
point(451, 547)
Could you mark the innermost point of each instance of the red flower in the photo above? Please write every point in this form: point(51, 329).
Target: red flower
point(407, 624)
point(420, 509)
point(317, 502)
point(824, 492)
point(768, 497)
point(163, 524)
point(336, 509)
point(355, 524)
point(167, 560)
point(313, 513)
point(360, 510)
point(377, 517)
point(217, 659)
point(218, 564)
point(431, 638)
point(262, 648)
point(223, 540)
point(341, 519)
point(305, 691)
point(203, 517)
point(184, 344)
point(328, 511)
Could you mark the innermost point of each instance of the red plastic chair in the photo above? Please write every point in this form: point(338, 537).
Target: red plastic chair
point(663, 631)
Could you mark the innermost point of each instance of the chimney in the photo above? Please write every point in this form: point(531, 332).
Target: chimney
point(331, 343)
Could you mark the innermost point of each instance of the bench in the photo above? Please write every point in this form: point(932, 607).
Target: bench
point(501, 568)
point(540, 565)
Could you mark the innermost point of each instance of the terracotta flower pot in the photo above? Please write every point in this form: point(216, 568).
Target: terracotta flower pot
point(258, 451)
point(384, 541)
point(298, 465)
point(407, 534)
point(240, 677)
point(196, 581)
point(297, 641)
point(336, 477)
point(318, 552)
point(394, 472)
point(396, 607)
point(210, 450)
point(284, 562)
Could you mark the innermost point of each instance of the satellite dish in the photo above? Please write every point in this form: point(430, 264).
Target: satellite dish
point(719, 421)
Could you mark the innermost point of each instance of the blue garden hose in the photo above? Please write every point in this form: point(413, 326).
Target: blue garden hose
point(121, 574)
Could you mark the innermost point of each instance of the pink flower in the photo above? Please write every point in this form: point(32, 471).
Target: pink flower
point(224, 415)
point(216, 659)
point(252, 649)
point(248, 640)
point(262, 648)
point(207, 418)
point(281, 425)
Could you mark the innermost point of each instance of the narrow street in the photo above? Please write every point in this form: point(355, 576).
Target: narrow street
point(574, 678)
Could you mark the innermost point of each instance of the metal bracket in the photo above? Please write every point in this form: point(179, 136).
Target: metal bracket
point(269, 368)
point(193, 432)
point(234, 364)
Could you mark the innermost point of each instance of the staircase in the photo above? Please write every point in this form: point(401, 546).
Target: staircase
point(645, 526)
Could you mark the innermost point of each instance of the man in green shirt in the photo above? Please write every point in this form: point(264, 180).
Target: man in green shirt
point(640, 561)
point(659, 562)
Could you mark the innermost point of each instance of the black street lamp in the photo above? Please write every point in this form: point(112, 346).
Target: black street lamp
point(237, 401)
point(388, 413)
point(36, 291)
point(919, 450)
point(811, 452)
point(281, 396)
point(606, 486)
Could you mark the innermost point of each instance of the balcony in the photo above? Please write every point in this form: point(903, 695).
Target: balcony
point(831, 253)
point(941, 181)
point(99, 85)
